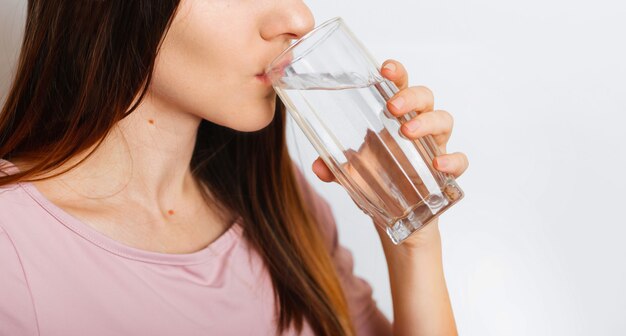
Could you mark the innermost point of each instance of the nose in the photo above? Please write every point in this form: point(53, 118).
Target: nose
point(290, 19)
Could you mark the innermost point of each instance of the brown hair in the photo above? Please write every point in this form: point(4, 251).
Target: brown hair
point(81, 68)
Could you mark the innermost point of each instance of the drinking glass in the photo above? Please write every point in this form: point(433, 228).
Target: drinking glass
point(332, 87)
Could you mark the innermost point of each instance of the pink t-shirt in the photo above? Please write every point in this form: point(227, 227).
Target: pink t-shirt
point(60, 276)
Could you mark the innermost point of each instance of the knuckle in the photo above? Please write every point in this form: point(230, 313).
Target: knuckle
point(447, 117)
point(426, 91)
point(425, 97)
point(418, 100)
point(464, 160)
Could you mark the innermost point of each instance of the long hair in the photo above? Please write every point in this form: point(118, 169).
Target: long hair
point(81, 68)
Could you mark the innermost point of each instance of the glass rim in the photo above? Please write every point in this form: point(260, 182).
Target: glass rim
point(336, 20)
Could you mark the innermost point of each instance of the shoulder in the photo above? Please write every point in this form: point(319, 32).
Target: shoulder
point(16, 307)
point(15, 202)
point(16, 206)
point(27, 221)
point(11, 195)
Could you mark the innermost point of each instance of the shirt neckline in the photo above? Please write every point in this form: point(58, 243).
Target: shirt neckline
point(215, 248)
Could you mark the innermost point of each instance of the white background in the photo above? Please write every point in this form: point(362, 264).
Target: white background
point(538, 92)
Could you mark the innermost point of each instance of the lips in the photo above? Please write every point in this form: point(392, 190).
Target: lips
point(264, 79)
point(274, 71)
point(277, 70)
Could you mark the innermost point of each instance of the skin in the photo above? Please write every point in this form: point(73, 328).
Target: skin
point(207, 69)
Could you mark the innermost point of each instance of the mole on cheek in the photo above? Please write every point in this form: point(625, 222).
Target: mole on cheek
point(151, 121)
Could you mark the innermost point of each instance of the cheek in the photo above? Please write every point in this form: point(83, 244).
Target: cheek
point(242, 105)
point(193, 76)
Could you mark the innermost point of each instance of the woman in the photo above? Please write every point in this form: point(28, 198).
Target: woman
point(149, 191)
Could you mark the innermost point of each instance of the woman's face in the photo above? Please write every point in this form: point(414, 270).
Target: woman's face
point(209, 62)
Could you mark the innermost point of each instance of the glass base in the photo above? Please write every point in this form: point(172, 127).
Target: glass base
point(403, 228)
point(424, 213)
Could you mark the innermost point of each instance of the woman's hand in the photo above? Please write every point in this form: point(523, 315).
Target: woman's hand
point(420, 99)
point(437, 123)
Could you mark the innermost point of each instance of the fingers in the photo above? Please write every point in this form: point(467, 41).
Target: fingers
point(321, 170)
point(453, 163)
point(415, 98)
point(438, 123)
point(395, 72)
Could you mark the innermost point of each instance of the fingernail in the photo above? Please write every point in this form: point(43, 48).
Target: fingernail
point(413, 125)
point(398, 103)
point(442, 163)
point(390, 66)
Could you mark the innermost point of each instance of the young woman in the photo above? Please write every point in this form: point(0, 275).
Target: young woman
point(147, 187)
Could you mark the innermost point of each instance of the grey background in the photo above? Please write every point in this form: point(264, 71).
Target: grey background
point(538, 92)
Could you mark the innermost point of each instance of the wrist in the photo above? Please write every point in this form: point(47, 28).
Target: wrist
point(426, 238)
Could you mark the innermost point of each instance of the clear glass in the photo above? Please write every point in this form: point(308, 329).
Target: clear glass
point(333, 89)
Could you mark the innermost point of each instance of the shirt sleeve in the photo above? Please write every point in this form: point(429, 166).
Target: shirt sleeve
point(366, 317)
point(17, 315)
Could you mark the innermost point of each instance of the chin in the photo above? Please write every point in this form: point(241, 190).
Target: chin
point(256, 122)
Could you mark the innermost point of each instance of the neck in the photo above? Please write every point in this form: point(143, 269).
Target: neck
point(145, 159)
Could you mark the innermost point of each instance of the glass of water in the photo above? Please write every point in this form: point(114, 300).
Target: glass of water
point(333, 89)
